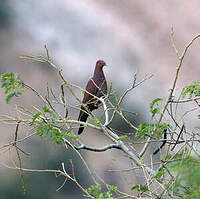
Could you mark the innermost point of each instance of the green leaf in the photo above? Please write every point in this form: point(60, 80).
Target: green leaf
point(154, 102)
point(53, 117)
point(142, 160)
point(7, 76)
point(95, 190)
point(97, 122)
point(34, 118)
point(140, 188)
point(43, 129)
point(160, 173)
point(123, 137)
point(56, 136)
point(9, 97)
point(113, 188)
point(155, 110)
point(45, 109)
point(4, 85)
point(144, 130)
point(192, 90)
point(109, 195)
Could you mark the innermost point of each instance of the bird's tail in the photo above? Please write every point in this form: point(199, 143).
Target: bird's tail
point(82, 117)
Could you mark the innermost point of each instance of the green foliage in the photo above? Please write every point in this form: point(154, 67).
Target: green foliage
point(94, 119)
point(13, 85)
point(142, 160)
point(96, 192)
point(155, 110)
point(44, 112)
point(160, 173)
point(145, 130)
point(70, 136)
point(192, 89)
point(37, 115)
point(140, 188)
point(46, 129)
point(97, 122)
point(85, 125)
point(187, 181)
point(123, 137)
point(113, 188)
point(180, 155)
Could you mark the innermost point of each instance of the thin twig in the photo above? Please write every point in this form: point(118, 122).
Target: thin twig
point(183, 126)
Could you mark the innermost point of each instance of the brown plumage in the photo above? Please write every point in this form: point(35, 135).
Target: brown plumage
point(97, 86)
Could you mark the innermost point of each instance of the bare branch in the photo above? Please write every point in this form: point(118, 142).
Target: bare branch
point(172, 41)
point(187, 100)
point(89, 148)
point(106, 111)
point(178, 137)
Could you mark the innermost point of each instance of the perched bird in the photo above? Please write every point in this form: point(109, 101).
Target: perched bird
point(97, 86)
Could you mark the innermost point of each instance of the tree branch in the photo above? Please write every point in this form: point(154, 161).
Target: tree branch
point(105, 148)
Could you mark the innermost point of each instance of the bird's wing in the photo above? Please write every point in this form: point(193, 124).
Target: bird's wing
point(102, 88)
point(91, 88)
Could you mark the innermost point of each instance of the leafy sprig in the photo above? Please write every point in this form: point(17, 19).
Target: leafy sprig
point(47, 129)
point(192, 90)
point(155, 110)
point(140, 188)
point(96, 191)
point(13, 85)
point(146, 129)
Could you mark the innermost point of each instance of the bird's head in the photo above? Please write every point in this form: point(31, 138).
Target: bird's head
point(101, 63)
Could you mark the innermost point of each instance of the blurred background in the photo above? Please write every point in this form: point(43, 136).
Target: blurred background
point(131, 36)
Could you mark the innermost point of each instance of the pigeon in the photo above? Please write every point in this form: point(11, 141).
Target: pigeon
point(96, 86)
